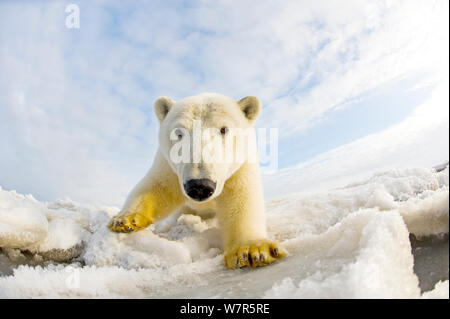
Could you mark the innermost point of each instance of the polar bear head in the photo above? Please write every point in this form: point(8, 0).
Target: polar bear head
point(205, 139)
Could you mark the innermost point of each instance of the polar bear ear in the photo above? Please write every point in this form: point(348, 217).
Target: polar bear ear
point(250, 106)
point(162, 107)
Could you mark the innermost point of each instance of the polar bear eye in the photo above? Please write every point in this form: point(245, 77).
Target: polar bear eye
point(224, 130)
point(179, 134)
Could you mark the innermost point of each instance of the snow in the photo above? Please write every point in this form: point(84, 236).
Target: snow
point(22, 220)
point(348, 242)
point(440, 291)
point(366, 255)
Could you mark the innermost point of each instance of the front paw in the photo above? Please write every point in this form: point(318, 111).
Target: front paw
point(125, 223)
point(255, 254)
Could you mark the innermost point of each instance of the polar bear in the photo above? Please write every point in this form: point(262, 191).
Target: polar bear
point(230, 189)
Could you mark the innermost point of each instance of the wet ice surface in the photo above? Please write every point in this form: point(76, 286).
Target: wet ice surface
point(351, 242)
point(431, 260)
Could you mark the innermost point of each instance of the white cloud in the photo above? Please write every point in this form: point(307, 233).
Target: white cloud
point(363, 50)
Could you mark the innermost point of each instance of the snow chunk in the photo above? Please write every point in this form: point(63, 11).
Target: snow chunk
point(55, 231)
point(420, 195)
point(63, 234)
point(367, 255)
point(135, 250)
point(440, 291)
point(429, 215)
point(22, 220)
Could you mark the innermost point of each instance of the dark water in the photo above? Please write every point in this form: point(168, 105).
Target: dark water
point(430, 260)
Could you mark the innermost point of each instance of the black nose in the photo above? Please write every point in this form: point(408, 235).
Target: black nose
point(199, 189)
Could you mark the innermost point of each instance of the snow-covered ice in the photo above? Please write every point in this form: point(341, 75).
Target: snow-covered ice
point(440, 291)
point(349, 242)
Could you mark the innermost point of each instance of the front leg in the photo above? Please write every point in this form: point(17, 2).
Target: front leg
point(157, 195)
point(243, 223)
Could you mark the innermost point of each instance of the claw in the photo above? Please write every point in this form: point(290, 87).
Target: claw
point(254, 254)
point(275, 252)
point(127, 223)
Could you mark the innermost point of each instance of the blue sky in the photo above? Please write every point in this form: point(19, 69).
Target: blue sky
point(378, 110)
point(76, 105)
